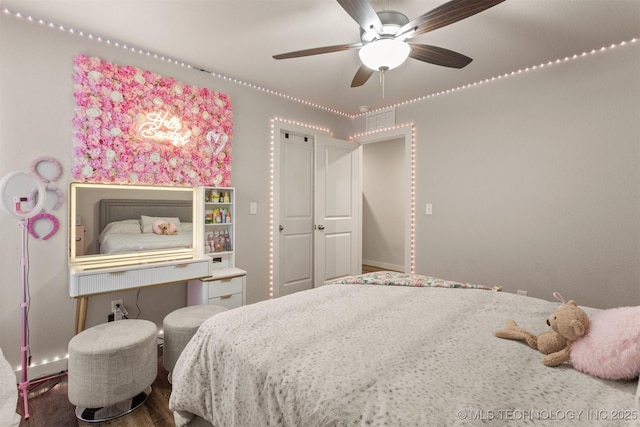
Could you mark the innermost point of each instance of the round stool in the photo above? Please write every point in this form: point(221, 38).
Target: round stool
point(179, 327)
point(111, 368)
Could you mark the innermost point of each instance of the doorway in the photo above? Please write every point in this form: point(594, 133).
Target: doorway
point(388, 192)
point(315, 217)
point(382, 205)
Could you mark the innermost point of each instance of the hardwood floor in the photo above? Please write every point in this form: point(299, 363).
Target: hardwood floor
point(371, 269)
point(52, 408)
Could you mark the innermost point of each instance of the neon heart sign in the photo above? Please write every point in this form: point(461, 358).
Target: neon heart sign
point(219, 139)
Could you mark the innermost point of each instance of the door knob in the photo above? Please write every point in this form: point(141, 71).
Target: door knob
point(321, 227)
point(281, 228)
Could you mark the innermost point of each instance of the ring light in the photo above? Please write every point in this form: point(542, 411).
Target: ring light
point(22, 195)
point(17, 190)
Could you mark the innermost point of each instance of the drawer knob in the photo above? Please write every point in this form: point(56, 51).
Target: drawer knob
point(226, 296)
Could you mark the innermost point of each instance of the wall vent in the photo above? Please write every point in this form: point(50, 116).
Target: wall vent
point(381, 119)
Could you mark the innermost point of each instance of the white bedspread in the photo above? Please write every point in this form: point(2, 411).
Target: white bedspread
point(119, 242)
point(8, 394)
point(351, 355)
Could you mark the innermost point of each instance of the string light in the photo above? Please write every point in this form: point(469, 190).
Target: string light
point(272, 143)
point(44, 362)
point(302, 101)
point(412, 185)
point(502, 76)
point(321, 107)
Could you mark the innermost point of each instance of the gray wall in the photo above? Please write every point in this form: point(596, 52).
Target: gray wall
point(534, 180)
point(382, 204)
point(36, 109)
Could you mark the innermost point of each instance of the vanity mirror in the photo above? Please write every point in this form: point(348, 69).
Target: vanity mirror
point(113, 224)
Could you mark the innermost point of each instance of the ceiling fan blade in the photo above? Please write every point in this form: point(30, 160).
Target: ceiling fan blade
point(362, 75)
point(438, 56)
point(363, 13)
point(318, 51)
point(448, 13)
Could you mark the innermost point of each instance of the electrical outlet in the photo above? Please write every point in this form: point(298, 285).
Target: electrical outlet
point(114, 303)
point(523, 293)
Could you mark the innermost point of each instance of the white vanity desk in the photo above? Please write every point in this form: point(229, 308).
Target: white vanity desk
point(134, 262)
point(85, 282)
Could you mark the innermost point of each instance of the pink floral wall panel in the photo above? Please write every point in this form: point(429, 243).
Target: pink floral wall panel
point(134, 126)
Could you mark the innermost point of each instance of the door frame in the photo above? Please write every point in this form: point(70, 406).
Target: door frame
point(407, 132)
point(279, 125)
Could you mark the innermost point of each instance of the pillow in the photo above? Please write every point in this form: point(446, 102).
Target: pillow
point(611, 348)
point(127, 226)
point(158, 223)
point(146, 222)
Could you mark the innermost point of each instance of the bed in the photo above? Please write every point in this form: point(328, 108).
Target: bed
point(8, 394)
point(386, 349)
point(126, 225)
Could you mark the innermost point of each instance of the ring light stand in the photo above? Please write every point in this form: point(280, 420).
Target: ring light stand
point(18, 196)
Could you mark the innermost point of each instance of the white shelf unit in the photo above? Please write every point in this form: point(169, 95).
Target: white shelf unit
point(226, 285)
point(219, 231)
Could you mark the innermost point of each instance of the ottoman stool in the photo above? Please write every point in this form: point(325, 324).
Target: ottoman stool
point(111, 368)
point(179, 327)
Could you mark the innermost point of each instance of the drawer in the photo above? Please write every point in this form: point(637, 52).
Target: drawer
point(101, 281)
point(222, 287)
point(228, 301)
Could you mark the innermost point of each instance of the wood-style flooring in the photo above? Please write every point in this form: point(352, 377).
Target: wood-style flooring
point(370, 269)
point(52, 408)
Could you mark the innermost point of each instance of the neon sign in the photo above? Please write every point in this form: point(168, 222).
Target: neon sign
point(162, 127)
point(220, 139)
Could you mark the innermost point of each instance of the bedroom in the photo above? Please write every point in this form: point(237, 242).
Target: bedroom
point(533, 178)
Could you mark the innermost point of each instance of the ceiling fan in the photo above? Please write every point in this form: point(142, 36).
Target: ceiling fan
point(383, 36)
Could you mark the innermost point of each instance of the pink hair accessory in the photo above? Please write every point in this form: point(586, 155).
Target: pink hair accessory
point(40, 216)
point(56, 173)
point(59, 197)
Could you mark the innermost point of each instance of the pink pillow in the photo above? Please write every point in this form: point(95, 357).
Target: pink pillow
point(611, 348)
point(157, 223)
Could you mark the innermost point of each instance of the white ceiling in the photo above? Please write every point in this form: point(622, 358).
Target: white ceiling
point(237, 38)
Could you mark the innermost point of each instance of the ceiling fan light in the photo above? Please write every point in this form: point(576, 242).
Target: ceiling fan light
point(384, 54)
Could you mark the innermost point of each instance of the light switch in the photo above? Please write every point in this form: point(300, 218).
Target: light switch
point(428, 209)
point(253, 208)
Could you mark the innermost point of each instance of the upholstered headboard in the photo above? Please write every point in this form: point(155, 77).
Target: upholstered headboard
point(121, 209)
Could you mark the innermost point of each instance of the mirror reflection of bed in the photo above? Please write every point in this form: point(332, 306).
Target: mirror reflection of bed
point(119, 219)
point(143, 225)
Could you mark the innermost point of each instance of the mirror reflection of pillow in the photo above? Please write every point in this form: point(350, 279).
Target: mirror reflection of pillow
point(162, 227)
point(146, 222)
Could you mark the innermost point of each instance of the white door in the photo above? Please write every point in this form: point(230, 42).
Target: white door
point(295, 228)
point(338, 201)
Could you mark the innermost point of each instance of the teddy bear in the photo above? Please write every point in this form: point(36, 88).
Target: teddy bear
point(568, 324)
point(161, 227)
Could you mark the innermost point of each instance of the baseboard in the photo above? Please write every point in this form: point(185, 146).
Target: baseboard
point(43, 370)
point(383, 265)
